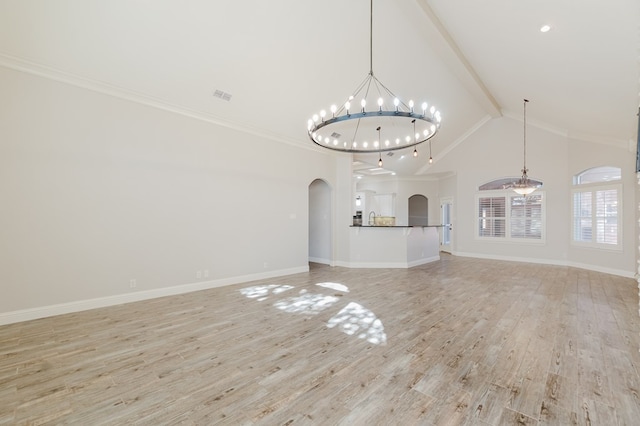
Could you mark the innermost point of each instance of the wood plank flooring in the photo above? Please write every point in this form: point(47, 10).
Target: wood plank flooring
point(456, 342)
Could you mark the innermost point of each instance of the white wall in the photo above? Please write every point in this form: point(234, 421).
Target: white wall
point(97, 191)
point(343, 213)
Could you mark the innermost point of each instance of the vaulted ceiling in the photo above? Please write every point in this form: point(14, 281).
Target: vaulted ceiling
point(275, 63)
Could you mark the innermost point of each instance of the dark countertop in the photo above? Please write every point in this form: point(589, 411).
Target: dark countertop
point(397, 226)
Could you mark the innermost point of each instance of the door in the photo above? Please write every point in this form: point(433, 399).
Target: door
point(446, 209)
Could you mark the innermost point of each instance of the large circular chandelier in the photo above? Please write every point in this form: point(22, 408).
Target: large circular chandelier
point(373, 118)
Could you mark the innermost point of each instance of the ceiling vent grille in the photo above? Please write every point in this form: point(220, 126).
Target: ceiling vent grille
point(222, 95)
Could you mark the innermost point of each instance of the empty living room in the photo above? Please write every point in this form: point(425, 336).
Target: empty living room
point(364, 212)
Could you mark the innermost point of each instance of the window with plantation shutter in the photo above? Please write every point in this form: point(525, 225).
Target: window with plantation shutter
point(597, 208)
point(506, 216)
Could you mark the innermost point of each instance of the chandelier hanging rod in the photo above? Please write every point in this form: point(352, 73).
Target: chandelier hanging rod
point(524, 185)
point(524, 170)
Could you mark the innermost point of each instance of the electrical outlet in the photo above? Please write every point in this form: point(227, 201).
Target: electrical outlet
point(132, 283)
point(199, 274)
point(206, 273)
point(266, 265)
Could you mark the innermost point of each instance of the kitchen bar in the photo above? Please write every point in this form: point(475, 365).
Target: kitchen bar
point(393, 246)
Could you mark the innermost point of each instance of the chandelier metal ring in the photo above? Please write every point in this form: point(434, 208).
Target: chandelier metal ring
point(402, 119)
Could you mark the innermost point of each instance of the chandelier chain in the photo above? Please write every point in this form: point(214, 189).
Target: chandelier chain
point(371, 39)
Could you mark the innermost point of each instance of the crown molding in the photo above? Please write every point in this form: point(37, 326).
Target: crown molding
point(44, 71)
point(566, 133)
point(619, 143)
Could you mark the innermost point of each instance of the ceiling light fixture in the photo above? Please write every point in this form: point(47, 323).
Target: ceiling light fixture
point(381, 113)
point(545, 28)
point(525, 186)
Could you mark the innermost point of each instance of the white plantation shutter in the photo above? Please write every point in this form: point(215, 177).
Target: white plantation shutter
point(596, 216)
point(491, 217)
point(582, 220)
point(526, 216)
point(606, 206)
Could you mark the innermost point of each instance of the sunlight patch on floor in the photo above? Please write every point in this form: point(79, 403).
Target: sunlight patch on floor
point(354, 319)
point(306, 303)
point(261, 292)
point(335, 286)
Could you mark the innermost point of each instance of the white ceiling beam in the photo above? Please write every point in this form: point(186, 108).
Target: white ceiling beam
point(446, 47)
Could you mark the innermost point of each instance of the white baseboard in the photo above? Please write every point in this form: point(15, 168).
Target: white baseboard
point(390, 265)
point(596, 268)
point(424, 261)
point(320, 260)
point(589, 267)
point(83, 305)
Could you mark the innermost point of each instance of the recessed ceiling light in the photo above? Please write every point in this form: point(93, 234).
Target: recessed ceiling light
point(545, 28)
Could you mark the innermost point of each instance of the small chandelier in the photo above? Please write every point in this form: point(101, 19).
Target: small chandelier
point(524, 185)
point(373, 119)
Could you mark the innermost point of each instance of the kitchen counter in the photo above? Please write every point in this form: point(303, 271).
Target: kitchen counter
point(393, 246)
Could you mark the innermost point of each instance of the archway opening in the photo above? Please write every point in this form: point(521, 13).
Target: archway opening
point(320, 222)
point(418, 210)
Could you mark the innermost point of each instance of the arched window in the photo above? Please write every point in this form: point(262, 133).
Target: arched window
point(597, 208)
point(598, 175)
point(504, 183)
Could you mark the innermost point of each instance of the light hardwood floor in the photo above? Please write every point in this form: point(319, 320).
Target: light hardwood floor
point(459, 341)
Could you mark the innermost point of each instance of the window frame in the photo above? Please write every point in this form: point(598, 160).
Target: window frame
point(593, 188)
point(509, 195)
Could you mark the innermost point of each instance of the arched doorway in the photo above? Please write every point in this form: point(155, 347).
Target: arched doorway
point(320, 222)
point(418, 210)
